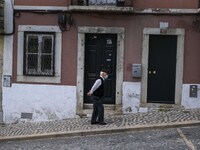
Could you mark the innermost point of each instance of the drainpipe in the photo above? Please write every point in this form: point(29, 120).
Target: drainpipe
point(13, 16)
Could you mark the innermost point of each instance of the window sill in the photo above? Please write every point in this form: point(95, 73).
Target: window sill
point(36, 79)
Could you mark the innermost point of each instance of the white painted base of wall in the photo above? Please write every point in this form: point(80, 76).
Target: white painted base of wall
point(132, 92)
point(131, 97)
point(45, 102)
point(1, 117)
point(187, 101)
point(54, 102)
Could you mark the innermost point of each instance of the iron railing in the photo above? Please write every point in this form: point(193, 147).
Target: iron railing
point(118, 3)
point(1, 16)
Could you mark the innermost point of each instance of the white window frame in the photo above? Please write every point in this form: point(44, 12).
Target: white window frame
point(20, 54)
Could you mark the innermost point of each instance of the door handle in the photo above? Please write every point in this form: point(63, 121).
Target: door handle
point(152, 72)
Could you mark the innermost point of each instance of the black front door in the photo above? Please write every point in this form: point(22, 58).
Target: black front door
point(100, 52)
point(162, 69)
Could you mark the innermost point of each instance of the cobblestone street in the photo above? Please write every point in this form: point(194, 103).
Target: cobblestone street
point(78, 126)
point(185, 138)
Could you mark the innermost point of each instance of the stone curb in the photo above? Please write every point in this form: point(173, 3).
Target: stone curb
point(99, 131)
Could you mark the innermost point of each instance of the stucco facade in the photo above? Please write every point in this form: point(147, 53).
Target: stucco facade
point(1, 70)
point(61, 96)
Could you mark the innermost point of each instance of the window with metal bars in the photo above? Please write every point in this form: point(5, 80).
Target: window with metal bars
point(39, 54)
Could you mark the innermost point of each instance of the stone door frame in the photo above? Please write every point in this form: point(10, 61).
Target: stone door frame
point(179, 62)
point(120, 31)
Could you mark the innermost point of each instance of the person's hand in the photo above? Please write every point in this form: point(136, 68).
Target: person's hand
point(89, 93)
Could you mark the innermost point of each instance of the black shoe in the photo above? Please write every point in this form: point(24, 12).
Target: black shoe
point(102, 123)
point(92, 123)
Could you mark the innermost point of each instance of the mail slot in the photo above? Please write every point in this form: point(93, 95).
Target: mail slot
point(136, 70)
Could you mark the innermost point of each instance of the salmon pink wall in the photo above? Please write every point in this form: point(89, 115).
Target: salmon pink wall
point(133, 25)
point(69, 45)
point(192, 58)
point(136, 3)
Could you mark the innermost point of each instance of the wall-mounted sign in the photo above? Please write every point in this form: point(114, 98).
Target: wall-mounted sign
point(7, 81)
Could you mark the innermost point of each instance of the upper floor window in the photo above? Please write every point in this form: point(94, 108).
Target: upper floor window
point(127, 3)
point(39, 54)
point(101, 2)
point(1, 16)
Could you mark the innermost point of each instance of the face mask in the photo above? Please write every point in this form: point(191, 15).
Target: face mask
point(106, 77)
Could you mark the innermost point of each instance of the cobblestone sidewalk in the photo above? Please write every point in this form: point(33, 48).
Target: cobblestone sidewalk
point(81, 126)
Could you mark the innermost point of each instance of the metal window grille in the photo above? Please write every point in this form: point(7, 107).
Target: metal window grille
point(39, 54)
point(101, 2)
point(1, 16)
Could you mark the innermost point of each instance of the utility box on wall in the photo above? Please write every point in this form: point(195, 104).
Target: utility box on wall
point(1, 16)
point(193, 91)
point(136, 70)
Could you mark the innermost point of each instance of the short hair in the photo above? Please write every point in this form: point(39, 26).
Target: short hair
point(104, 70)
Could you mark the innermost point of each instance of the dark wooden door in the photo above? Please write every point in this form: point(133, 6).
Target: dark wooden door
point(100, 52)
point(162, 69)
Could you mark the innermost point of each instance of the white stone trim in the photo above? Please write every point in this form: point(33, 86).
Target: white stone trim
point(167, 11)
point(20, 52)
point(23, 28)
point(19, 7)
point(8, 55)
point(179, 61)
point(80, 63)
point(109, 9)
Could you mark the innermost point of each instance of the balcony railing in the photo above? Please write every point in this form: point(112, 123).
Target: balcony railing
point(118, 3)
point(1, 16)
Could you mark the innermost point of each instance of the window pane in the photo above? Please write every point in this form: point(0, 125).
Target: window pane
point(46, 63)
point(32, 62)
point(32, 44)
point(47, 44)
point(39, 54)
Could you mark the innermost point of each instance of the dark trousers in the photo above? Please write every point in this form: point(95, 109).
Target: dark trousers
point(98, 110)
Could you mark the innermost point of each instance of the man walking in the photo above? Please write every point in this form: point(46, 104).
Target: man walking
point(97, 93)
